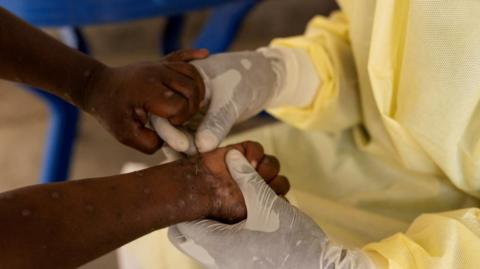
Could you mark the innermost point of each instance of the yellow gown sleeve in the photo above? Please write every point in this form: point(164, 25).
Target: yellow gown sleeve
point(441, 241)
point(335, 106)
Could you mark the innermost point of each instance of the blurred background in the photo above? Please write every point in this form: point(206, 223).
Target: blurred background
point(24, 117)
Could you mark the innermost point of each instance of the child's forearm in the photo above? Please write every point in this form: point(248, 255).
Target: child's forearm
point(66, 224)
point(30, 56)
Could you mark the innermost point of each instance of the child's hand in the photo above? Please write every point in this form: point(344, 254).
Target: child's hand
point(227, 203)
point(122, 98)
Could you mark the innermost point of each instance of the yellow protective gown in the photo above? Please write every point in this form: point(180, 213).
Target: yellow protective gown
point(390, 140)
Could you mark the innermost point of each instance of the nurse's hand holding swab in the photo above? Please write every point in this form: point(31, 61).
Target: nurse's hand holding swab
point(238, 86)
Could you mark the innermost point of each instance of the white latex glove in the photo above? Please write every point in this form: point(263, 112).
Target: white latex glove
point(275, 234)
point(177, 139)
point(238, 86)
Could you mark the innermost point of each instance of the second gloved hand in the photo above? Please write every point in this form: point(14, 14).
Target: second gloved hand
point(238, 86)
point(275, 234)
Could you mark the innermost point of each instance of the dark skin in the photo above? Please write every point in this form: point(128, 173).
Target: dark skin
point(119, 97)
point(65, 225)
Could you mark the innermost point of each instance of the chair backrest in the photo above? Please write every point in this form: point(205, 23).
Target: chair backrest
point(84, 12)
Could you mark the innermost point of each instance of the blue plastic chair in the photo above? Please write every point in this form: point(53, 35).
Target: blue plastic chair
point(218, 33)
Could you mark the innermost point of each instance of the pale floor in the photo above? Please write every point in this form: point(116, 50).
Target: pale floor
point(23, 118)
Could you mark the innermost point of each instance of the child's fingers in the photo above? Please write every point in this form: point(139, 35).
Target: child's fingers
point(185, 87)
point(186, 55)
point(280, 185)
point(167, 104)
point(186, 69)
point(139, 137)
point(191, 72)
point(268, 168)
point(253, 152)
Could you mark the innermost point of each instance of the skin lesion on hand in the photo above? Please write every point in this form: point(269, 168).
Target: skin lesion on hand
point(122, 98)
point(226, 200)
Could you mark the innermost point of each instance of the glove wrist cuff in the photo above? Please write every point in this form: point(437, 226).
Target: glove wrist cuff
point(297, 78)
point(336, 256)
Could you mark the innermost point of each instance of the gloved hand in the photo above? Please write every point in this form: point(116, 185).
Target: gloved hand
point(274, 235)
point(239, 85)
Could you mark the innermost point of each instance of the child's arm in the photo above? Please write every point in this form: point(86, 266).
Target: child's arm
point(64, 225)
point(67, 224)
point(30, 56)
point(120, 98)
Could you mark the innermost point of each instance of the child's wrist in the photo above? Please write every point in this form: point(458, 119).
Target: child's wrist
point(90, 85)
point(200, 185)
point(196, 192)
